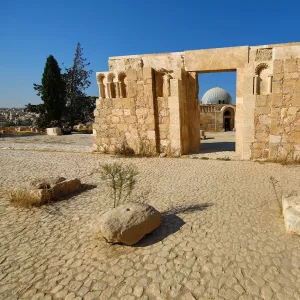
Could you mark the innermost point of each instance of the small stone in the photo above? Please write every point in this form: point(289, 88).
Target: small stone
point(160, 261)
point(70, 296)
point(74, 286)
point(188, 296)
point(38, 296)
point(266, 292)
point(138, 291)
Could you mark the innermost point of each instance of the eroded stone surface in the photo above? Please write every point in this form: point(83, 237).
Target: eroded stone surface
point(291, 213)
point(150, 102)
point(221, 238)
point(53, 188)
point(127, 223)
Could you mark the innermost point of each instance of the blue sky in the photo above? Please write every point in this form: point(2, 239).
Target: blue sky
point(32, 30)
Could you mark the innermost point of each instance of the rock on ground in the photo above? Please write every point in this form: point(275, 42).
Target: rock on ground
point(291, 213)
point(127, 223)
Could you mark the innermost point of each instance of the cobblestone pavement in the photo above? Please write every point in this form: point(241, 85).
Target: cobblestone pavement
point(222, 235)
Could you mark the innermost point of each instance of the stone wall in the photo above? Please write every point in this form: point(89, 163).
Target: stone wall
point(277, 99)
point(126, 121)
point(153, 100)
point(147, 111)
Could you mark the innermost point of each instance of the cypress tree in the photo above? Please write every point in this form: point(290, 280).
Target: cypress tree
point(53, 92)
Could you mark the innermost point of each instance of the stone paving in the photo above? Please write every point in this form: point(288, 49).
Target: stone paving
point(222, 235)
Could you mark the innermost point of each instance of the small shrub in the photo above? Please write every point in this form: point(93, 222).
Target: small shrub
point(274, 182)
point(24, 197)
point(171, 152)
point(120, 180)
point(145, 148)
point(123, 149)
point(204, 157)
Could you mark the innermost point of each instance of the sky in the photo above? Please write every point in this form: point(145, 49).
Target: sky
point(32, 30)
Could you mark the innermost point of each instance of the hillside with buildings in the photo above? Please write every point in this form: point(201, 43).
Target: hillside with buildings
point(16, 116)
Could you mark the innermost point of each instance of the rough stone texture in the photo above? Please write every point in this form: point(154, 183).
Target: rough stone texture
point(216, 59)
point(127, 224)
point(221, 237)
point(147, 112)
point(291, 213)
point(153, 100)
point(212, 116)
point(54, 131)
point(53, 188)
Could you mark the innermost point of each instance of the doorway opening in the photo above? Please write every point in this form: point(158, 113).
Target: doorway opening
point(217, 98)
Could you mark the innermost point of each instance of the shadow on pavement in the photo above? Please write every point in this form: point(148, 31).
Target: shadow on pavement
point(170, 224)
point(217, 147)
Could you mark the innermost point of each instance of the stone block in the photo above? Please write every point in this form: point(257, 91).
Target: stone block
point(275, 139)
point(296, 100)
point(257, 153)
point(277, 100)
point(289, 86)
point(263, 110)
point(290, 65)
point(131, 75)
point(291, 213)
point(277, 87)
point(293, 110)
point(278, 66)
point(285, 52)
point(47, 189)
point(278, 77)
point(65, 188)
point(276, 130)
point(127, 223)
point(295, 137)
point(262, 136)
point(216, 59)
point(261, 100)
point(148, 73)
point(54, 131)
point(259, 145)
point(151, 134)
point(294, 75)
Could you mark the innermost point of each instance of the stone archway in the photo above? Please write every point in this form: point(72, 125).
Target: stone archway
point(228, 118)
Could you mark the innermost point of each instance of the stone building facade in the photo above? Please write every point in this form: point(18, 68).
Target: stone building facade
point(217, 111)
point(152, 100)
point(217, 117)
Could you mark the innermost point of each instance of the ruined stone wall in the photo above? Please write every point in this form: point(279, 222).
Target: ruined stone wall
point(159, 106)
point(126, 122)
point(152, 99)
point(211, 118)
point(276, 90)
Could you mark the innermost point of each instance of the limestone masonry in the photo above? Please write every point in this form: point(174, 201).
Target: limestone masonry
point(151, 101)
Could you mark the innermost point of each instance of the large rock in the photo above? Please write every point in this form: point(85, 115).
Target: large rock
point(127, 223)
point(52, 188)
point(54, 131)
point(291, 213)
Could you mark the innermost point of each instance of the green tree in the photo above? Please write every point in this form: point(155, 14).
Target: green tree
point(77, 81)
point(52, 92)
point(83, 109)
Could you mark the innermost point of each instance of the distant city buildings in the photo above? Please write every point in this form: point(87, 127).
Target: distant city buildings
point(16, 116)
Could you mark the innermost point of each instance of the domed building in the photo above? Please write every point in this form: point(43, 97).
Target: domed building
point(217, 111)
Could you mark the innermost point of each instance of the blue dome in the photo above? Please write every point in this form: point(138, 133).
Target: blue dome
point(216, 96)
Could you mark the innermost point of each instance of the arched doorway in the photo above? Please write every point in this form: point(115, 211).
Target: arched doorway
point(228, 119)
